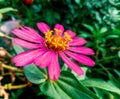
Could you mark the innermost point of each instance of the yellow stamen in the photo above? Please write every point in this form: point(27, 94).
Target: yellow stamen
point(57, 42)
point(67, 36)
point(57, 31)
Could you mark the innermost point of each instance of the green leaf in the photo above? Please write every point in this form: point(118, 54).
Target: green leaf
point(119, 54)
point(116, 31)
point(4, 10)
point(77, 1)
point(89, 27)
point(112, 37)
point(117, 72)
point(35, 74)
point(67, 87)
point(103, 30)
point(18, 49)
point(99, 92)
point(98, 83)
point(1, 16)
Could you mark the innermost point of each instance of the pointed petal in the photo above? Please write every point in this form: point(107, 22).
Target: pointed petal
point(25, 44)
point(81, 58)
point(71, 33)
point(43, 27)
point(43, 60)
point(82, 50)
point(77, 42)
point(71, 64)
point(59, 29)
point(28, 34)
point(31, 31)
point(54, 67)
point(26, 57)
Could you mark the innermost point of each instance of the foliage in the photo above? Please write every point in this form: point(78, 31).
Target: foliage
point(98, 21)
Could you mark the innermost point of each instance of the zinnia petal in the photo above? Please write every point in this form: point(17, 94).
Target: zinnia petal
point(77, 41)
point(31, 31)
point(81, 58)
point(27, 34)
point(43, 27)
point(26, 57)
point(43, 60)
point(25, 44)
point(71, 64)
point(54, 67)
point(82, 50)
point(71, 33)
point(59, 29)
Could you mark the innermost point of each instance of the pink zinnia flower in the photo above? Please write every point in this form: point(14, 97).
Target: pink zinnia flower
point(45, 51)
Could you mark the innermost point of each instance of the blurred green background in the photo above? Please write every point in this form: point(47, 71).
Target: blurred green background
point(98, 21)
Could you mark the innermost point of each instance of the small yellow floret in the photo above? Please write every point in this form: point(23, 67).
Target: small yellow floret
point(57, 31)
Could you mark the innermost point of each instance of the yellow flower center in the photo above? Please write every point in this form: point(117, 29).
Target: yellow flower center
point(57, 42)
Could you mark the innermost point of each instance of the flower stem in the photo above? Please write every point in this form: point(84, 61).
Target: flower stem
point(10, 67)
point(9, 87)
